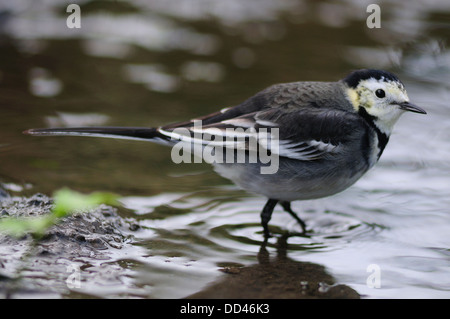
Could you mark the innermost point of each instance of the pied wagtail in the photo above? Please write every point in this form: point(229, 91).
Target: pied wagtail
point(329, 134)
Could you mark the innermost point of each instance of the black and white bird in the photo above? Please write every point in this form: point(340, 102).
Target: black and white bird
point(323, 136)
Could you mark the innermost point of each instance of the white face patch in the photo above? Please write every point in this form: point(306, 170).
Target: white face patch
point(384, 109)
point(395, 92)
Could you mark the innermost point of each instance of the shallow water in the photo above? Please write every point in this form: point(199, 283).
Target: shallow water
point(146, 63)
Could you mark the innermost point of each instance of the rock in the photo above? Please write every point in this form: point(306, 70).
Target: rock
point(81, 241)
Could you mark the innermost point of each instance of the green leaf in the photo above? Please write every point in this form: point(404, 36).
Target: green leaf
point(66, 202)
point(18, 227)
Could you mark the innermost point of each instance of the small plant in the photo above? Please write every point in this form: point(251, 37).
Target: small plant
point(66, 202)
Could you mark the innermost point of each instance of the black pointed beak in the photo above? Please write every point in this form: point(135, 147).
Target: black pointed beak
point(411, 108)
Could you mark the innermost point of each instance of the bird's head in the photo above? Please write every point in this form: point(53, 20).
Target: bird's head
point(379, 95)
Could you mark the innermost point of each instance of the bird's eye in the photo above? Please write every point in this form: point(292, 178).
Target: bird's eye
point(380, 93)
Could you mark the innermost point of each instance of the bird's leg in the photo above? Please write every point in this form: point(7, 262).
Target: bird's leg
point(266, 214)
point(287, 207)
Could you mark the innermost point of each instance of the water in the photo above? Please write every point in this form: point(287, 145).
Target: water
point(146, 63)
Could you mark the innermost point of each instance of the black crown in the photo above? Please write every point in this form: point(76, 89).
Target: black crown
point(355, 77)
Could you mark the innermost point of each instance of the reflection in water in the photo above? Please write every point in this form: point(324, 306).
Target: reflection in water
point(147, 63)
point(43, 84)
point(152, 77)
point(280, 277)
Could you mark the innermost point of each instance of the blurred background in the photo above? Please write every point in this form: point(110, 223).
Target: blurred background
point(152, 62)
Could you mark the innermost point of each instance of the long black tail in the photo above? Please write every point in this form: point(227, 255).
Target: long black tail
point(132, 133)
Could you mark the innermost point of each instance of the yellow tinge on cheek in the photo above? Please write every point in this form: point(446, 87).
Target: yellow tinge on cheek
point(365, 98)
point(353, 97)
